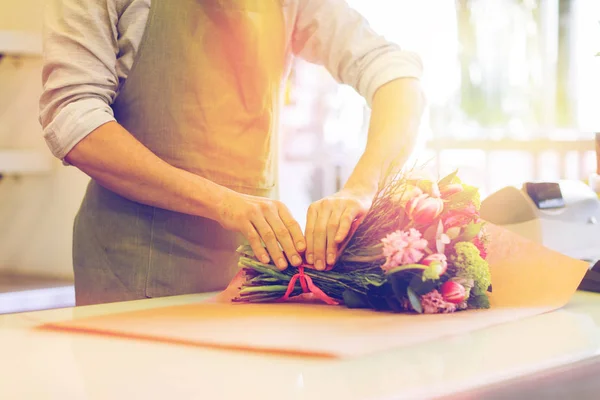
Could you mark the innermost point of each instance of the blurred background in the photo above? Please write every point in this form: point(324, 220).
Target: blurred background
point(512, 88)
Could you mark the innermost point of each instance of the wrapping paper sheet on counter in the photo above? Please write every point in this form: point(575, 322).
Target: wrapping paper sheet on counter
point(527, 279)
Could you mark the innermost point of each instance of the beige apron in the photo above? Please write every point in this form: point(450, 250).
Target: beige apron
point(203, 94)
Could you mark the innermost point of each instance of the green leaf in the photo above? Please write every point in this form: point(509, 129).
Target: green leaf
point(394, 304)
point(380, 291)
point(399, 285)
point(378, 303)
point(479, 301)
point(470, 232)
point(448, 179)
point(354, 300)
point(421, 287)
point(426, 186)
point(468, 194)
point(414, 301)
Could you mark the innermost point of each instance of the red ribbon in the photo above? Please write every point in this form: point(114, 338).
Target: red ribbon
point(307, 287)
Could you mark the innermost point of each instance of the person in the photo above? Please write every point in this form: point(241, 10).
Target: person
point(172, 109)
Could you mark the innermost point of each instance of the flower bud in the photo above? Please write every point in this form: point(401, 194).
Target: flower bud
point(436, 258)
point(423, 209)
point(453, 292)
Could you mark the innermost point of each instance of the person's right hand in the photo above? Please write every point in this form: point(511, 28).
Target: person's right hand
point(264, 220)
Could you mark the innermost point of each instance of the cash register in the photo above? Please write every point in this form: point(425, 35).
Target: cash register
point(563, 216)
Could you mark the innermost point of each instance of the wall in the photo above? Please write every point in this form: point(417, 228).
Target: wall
point(21, 15)
point(36, 212)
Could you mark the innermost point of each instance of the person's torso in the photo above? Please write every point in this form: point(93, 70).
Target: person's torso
point(204, 88)
point(132, 21)
point(202, 93)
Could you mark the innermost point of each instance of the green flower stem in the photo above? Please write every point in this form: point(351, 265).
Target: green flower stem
point(268, 299)
point(262, 268)
point(321, 281)
point(260, 297)
point(408, 267)
point(261, 280)
point(263, 289)
point(266, 283)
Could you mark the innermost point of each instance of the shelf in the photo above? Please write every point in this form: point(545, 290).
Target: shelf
point(25, 162)
point(20, 43)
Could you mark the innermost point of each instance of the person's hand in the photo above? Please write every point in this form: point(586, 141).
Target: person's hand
point(328, 222)
point(264, 220)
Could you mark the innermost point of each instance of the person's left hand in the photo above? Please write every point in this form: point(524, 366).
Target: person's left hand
point(327, 224)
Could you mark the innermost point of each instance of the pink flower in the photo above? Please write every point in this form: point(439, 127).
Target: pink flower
point(451, 189)
point(423, 209)
point(401, 248)
point(434, 303)
point(453, 292)
point(461, 217)
point(436, 258)
point(481, 247)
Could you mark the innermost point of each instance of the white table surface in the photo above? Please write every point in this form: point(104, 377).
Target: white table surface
point(38, 364)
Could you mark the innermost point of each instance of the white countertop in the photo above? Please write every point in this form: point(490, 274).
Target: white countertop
point(51, 365)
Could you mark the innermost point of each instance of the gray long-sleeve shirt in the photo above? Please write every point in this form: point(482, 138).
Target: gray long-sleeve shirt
point(90, 45)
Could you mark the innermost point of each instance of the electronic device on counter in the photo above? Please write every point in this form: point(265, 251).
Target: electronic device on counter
point(563, 216)
point(591, 280)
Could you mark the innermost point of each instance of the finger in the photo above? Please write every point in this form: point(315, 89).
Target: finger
point(320, 235)
point(346, 221)
point(293, 228)
point(268, 236)
point(284, 238)
point(311, 218)
point(332, 229)
point(257, 247)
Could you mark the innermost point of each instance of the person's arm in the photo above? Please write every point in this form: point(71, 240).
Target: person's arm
point(119, 162)
point(332, 34)
point(395, 116)
point(80, 82)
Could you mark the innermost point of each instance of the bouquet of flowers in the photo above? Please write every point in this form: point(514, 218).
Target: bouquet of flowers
point(420, 248)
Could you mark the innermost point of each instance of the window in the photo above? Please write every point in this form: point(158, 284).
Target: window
point(511, 84)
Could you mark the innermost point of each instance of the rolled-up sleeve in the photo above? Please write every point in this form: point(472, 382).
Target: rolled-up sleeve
point(79, 74)
point(332, 34)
